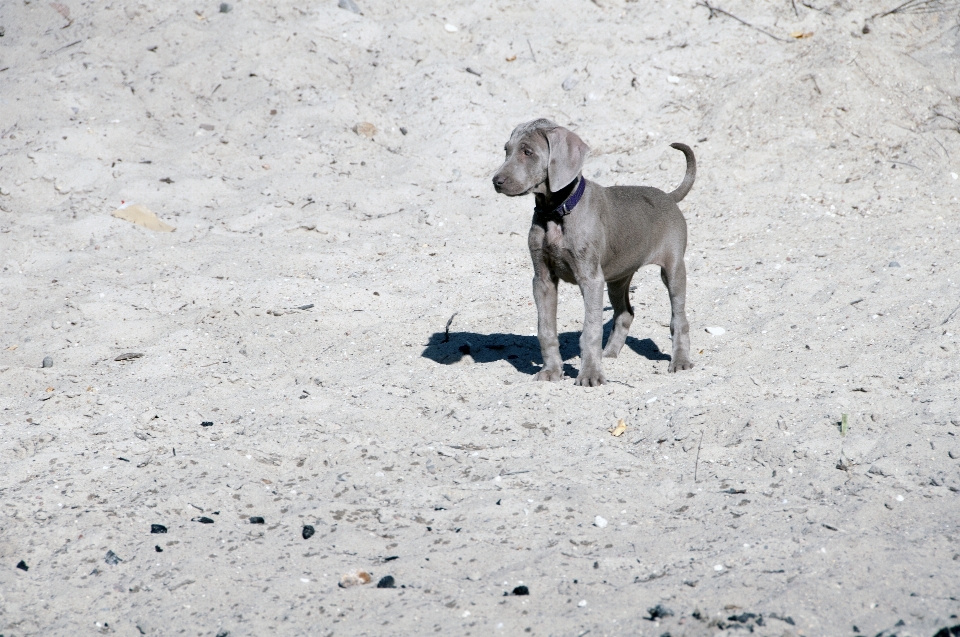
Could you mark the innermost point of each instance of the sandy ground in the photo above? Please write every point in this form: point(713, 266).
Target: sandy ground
point(823, 240)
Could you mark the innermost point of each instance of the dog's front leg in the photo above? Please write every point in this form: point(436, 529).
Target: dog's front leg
point(591, 370)
point(545, 295)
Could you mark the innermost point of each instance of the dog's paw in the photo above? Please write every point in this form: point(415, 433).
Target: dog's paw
point(678, 365)
point(551, 375)
point(590, 379)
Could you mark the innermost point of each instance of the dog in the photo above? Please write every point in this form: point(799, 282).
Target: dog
point(588, 234)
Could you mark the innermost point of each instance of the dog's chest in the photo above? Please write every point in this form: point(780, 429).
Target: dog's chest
point(556, 252)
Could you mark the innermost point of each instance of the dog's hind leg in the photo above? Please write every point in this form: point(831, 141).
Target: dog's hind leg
point(619, 293)
point(674, 277)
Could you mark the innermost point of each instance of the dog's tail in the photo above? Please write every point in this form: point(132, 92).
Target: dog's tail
point(688, 178)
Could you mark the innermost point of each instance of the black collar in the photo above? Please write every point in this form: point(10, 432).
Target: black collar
point(570, 202)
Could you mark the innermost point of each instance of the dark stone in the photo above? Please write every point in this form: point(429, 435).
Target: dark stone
point(225, 8)
point(158, 549)
point(743, 618)
point(307, 531)
point(659, 611)
point(520, 590)
point(158, 528)
point(202, 520)
point(206, 423)
point(387, 581)
point(23, 566)
point(952, 631)
point(349, 5)
point(893, 264)
point(223, 633)
point(403, 130)
point(111, 558)
point(391, 558)
point(256, 519)
point(47, 362)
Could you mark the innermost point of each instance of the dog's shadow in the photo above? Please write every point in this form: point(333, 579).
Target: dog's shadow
point(523, 352)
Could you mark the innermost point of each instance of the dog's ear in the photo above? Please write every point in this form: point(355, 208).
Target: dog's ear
point(567, 154)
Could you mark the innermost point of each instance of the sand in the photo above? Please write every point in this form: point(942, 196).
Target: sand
point(327, 174)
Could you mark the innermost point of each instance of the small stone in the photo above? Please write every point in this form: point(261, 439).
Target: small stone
point(355, 578)
point(403, 130)
point(224, 8)
point(659, 611)
point(208, 126)
point(570, 83)
point(716, 331)
point(450, 28)
point(256, 519)
point(158, 528)
point(23, 566)
point(673, 79)
point(474, 71)
point(600, 522)
point(307, 531)
point(55, 325)
point(111, 558)
point(387, 581)
point(718, 567)
point(206, 423)
point(128, 356)
point(202, 520)
point(158, 549)
point(365, 129)
point(349, 5)
point(47, 362)
point(520, 590)
point(893, 264)
point(582, 603)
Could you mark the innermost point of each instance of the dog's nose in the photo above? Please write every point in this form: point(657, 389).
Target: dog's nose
point(498, 181)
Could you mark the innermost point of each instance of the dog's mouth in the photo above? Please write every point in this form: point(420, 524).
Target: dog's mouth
point(510, 190)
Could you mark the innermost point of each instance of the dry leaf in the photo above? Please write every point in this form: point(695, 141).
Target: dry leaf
point(141, 216)
point(801, 35)
point(620, 428)
point(49, 388)
point(365, 129)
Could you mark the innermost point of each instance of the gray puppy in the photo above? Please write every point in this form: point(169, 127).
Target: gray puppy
point(587, 234)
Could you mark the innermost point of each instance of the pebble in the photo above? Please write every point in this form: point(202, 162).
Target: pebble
point(206, 423)
point(225, 8)
point(365, 129)
point(599, 522)
point(307, 531)
point(158, 549)
point(23, 566)
point(47, 362)
point(570, 83)
point(520, 590)
point(202, 520)
point(582, 603)
point(450, 28)
point(55, 325)
point(128, 356)
point(256, 519)
point(716, 331)
point(893, 264)
point(659, 611)
point(158, 528)
point(355, 578)
point(387, 581)
point(111, 558)
point(718, 567)
point(349, 5)
point(673, 79)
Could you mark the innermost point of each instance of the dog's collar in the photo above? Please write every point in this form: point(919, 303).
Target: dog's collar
point(571, 201)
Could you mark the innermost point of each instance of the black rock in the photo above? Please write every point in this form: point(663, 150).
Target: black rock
point(225, 8)
point(307, 531)
point(743, 618)
point(256, 519)
point(111, 558)
point(520, 590)
point(223, 633)
point(390, 558)
point(158, 528)
point(952, 631)
point(202, 520)
point(659, 611)
point(23, 566)
point(158, 549)
point(387, 581)
point(206, 423)
point(403, 130)
point(47, 362)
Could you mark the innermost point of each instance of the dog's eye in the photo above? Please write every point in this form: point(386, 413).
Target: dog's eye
point(527, 152)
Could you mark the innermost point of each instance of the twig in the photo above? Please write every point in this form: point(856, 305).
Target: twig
point(947, 320)
point(715, 10)
point(446, 330)
point(696, 466)
point(794, 4)
point(532, 54)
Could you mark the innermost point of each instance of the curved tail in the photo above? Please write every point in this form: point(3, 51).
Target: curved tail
point(688, 178)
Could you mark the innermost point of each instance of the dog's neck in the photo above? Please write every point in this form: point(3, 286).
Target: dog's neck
point(562, 202)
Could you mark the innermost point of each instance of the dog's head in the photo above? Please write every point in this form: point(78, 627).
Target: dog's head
point(541, 156)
